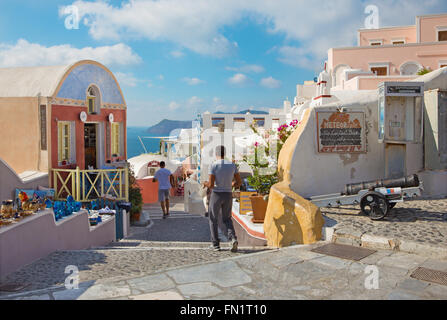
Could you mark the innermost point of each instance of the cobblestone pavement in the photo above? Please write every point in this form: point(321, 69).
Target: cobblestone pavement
point(421, 222)
point(293, 273)
point(100, 264)
point(141, 267)
point(182, 239)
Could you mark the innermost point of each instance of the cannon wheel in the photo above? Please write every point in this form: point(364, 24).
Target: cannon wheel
point(375, 205)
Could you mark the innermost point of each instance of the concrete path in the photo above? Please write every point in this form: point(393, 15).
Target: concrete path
point(179, 226)
point(293, 273)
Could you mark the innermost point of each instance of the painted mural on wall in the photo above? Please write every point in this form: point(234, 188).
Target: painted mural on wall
point(80, 78)
point(341, 132)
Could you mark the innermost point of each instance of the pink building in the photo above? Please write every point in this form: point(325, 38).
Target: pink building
point(389, 54)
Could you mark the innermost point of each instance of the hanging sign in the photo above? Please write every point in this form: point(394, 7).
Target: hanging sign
point(245, 202)
point(341, 132)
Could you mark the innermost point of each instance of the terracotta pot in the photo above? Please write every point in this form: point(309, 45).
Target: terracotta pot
point(259, 206)
point(136, 216)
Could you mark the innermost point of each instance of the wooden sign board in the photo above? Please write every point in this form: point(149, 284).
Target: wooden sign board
point(245, 202)
point(341, 132)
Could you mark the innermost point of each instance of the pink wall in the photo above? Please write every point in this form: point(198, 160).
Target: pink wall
point(39, 235)
point(360, 57)
point(373, 83)
point(428, 27)
point(9, 181)
point(368, 83)
point(388, 34)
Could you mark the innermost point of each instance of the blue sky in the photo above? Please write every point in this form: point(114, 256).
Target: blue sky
point(174, 58)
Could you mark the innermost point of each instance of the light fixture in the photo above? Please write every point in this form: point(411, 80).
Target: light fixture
point(83, 116)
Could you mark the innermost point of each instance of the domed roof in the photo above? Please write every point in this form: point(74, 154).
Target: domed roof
point(66, 81)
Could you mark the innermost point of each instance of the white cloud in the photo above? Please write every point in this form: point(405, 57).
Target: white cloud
point(25, 54)
point(239, 79)
point(298, 57)
point(126, 79)
point(173, 106)
point(220, 107)
point(161, 77)
point(190, 24)
point(192, 104)
point(251, 68)
point(193, 81)
point(195, 102)
point(177, 54)
point(270, 82)
point(198, 25)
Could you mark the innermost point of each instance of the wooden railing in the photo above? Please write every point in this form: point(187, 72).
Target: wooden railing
point(87, 185)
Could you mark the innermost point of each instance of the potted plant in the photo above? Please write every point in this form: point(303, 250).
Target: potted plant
point(135, 197)
point(263, 160)
point(264, 177)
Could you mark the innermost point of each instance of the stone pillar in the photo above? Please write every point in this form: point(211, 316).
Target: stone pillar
point(290, 219)
point(207, 123)
point(229, 122)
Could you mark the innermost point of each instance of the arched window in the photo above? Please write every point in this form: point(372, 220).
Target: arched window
point(410, 68)
point(93, 99)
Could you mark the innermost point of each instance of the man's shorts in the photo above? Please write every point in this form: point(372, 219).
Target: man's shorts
point(163, 194)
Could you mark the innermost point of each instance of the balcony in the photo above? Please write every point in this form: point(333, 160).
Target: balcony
point(87, 185)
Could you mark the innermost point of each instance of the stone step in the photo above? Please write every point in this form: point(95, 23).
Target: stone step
point(174, 216)
point(165, 245)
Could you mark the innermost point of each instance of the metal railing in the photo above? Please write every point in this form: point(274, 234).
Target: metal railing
point(87, 185)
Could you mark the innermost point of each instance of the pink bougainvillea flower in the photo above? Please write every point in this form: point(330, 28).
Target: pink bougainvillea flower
point(256, 144)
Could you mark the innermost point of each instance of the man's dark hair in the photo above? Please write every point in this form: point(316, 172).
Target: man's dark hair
point(220, 151)
point(162, 164)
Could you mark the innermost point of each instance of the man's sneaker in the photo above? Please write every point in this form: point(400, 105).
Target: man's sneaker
point(164, 216)
point(215, 248)
point(234, 245)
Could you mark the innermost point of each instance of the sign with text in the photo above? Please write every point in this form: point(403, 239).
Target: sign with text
point(245, 202)
point(341, 132)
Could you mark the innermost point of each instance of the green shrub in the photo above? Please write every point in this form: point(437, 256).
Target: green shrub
point(424, 71)
point(135, 197)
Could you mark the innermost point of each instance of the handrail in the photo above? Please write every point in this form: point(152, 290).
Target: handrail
point(82, 184)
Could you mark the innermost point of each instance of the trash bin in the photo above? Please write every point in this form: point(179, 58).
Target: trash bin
point(119, 218)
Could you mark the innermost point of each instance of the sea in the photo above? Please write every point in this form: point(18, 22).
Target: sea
point(134, 147)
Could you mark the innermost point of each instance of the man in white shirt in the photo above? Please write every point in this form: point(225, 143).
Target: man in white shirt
point(165, 181)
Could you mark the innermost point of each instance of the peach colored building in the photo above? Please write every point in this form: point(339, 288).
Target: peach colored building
point(389, 54)
point(60, 117)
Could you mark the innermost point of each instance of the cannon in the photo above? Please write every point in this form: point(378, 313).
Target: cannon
point(405, 182)
point(376, 198)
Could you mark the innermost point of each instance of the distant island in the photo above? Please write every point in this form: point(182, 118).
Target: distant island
point(166, 127)
point(243, 112)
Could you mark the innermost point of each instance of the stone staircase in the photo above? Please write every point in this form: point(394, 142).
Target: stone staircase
point(127, 244)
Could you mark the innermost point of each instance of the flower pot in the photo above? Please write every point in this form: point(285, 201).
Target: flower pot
point(136, 216)
point(259, 206)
